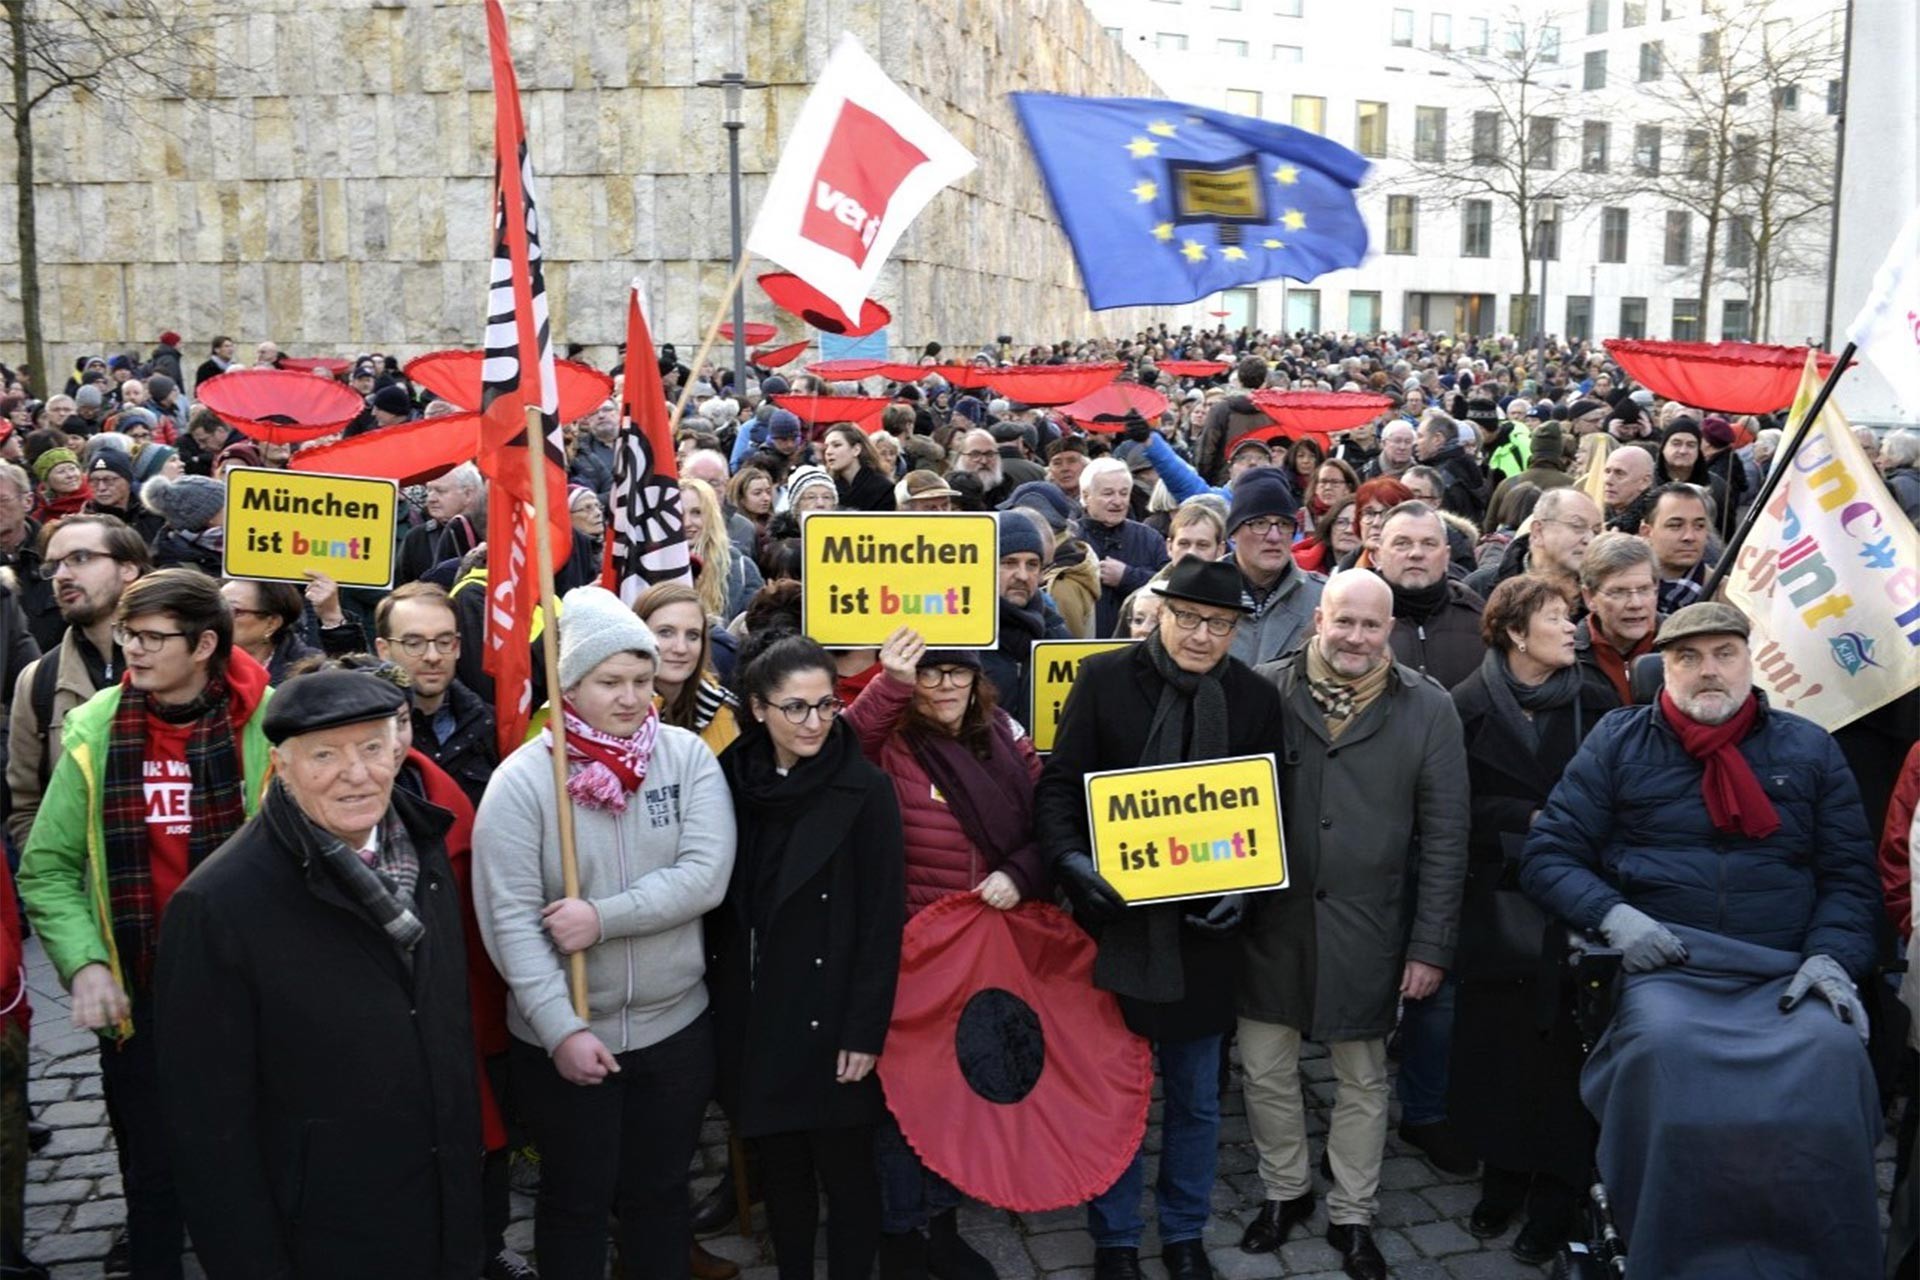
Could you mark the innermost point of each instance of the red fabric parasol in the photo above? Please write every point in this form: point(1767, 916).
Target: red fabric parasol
point(1316, 413)
point(792, 294)
point(280, 406)
point(1051, 383)
point(409, 452)
point(1222, 314)
point(310, 364)
point(1732, 377)
point(454, 376)
point(963, 377)
point(1115, 401)
point(823, 411)
point(848, 370)
point(755, 331)
point(1011, 1075)
point(1192, 368)
point(774, 357)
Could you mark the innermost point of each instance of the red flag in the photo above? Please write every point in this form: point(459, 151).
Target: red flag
point(648, 544)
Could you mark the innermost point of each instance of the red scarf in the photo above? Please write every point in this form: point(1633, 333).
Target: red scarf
point(602, 770)
point(1735, 799)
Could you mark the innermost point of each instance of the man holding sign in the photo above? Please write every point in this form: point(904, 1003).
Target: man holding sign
point(1176, 698)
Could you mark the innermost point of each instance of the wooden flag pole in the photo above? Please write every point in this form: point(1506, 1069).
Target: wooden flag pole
point(556, 717)
point(713, 332)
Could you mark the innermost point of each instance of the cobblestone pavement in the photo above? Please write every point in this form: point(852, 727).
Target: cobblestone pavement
point(74, 1192)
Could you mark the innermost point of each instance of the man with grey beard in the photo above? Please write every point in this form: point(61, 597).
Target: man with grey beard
point(980, 454)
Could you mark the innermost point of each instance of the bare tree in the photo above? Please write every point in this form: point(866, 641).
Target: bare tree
point(1789, 197)
point(125, 50)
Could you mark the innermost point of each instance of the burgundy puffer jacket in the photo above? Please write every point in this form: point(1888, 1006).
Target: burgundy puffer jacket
point(940, 857)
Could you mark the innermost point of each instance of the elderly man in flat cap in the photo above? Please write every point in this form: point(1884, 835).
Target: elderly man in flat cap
point(318, 1076)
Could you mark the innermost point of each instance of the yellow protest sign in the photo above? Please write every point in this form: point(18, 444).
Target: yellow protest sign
point(866, 573)
point(1054, 667)
point(1188, 830)
point(281, 524)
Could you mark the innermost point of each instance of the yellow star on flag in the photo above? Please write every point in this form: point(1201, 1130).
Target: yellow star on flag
point(1233, 253)
point(1286, 175)
point(1293, 220)
point(1160, 129)
point(1272, 244)
point(1194, 251)
point(1163, 231)
point(1141, 148)
point(1145, 190)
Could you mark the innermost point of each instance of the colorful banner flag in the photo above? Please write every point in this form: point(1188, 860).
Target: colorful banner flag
point(649, 544)
point(1830, 576)
point(1887, 330)
point(1165, 202)
point(862, 161)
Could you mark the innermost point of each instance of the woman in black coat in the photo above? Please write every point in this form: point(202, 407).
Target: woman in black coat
point(850, 459)
point(803, 954)
point(1513, 1091)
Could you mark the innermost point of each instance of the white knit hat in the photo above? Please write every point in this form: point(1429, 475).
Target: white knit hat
point(594, 626)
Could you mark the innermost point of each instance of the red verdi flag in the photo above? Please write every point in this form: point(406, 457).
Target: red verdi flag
point(648, 543)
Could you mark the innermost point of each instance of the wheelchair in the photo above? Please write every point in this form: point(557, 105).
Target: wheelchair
point(1594, 973)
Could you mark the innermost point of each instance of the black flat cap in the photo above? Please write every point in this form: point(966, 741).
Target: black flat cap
point(327, 700)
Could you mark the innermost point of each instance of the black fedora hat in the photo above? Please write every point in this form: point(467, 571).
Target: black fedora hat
point(1214, 582)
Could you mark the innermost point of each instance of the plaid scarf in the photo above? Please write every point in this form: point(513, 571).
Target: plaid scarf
point(218, 809)
point(1341, 698)
point(381, 896)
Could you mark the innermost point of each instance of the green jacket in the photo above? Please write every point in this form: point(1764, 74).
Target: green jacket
point(63, 870)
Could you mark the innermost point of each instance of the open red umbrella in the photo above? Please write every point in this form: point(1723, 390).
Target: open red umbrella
point(1222, 314)
point(755, 331)
point(1050, 384)
point(848, 370)
point(1732, 377)
point(1192, 368)
point(454, 376)
point(409, 452)
point(1113, 402)
point(822, 411)
point(774, 357)
point(1316, 413)
point(792, 294)
point(280, 406)
point(1012, 1076)
point(312, 364)
point(965, 377)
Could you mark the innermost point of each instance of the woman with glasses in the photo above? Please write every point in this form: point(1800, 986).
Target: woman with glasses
point(803, 955)
point(266, 623)
point(1371, 503)
point(963, 773)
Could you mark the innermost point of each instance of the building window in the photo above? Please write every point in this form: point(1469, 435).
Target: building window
point(1550, 45)
point(1709, 50)
point(1679, 243)
point(1579, 318)
point(1476, 228)
point(1370, 129)
point(1111, 33)
point(1516, 39)
point(1646, 150)
point(1232, 48)
point(1745, 154)
point(1686, 320)
point(1787, 97)
point(1479, 34)
point(1486, 137)
point(1650, 59)
point(1542, 134)
point(1520, 313)
point(1836, 98)
point(1613, 235)
point(1430, 134)
point(1309, 113)
point(1303, 310)
point(1287, 8)
point(1669, 10)
point(1403, 28)
point(1738, 98)
point(1245, 102)
point(1693, 155)
point(1594, 70)
point(1242, 307)
point(1402, 213)
point(1593, 146)
point(1634, 13)
point(1363, 313)
point(1735, 321)
point(1740, 241)
point(1440, 32)
point(1171, 41)
point(1288, 53)
point(1633, 317)
point(1597, 16)
point(1775, 35)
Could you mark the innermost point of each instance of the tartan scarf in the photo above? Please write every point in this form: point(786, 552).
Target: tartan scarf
point(1341, 698)
point(386, 895)
point(218, 809)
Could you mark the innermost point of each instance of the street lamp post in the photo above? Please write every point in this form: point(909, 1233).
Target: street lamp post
point(734, 84)
point(1543, 230)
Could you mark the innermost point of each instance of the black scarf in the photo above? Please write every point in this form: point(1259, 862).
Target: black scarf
point(1020, 626)
point(1512, 700)
point(772, 807)
point(1418, 604)
point(372, 892)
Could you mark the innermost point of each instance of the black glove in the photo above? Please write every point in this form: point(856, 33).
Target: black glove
point(1095, 902)
point(1224, 917)
point(1138, 429)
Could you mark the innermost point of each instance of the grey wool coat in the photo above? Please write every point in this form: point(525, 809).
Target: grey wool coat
point(1376, 828)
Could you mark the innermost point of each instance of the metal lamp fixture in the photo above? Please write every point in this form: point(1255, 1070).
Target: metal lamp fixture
point(734, 85)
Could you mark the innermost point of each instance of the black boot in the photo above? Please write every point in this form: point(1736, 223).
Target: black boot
point(1275, 1221)
point(903, 1255)
point(1116, 1264)
point(950, 1257)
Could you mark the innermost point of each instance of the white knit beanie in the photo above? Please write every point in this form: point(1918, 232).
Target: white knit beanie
point(594, 626)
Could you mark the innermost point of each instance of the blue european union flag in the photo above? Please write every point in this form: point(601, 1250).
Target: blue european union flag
point(1166, 202)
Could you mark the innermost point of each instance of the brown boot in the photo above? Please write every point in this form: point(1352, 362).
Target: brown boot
point(705, 1266)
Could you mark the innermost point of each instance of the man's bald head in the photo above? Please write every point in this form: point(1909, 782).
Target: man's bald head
point(1628, 474)
point(1360, 588)
point(1353, 622)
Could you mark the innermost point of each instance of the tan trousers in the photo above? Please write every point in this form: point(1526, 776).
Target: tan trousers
point(1356, 1135)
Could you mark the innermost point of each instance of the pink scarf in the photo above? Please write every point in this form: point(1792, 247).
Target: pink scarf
point(602, 770)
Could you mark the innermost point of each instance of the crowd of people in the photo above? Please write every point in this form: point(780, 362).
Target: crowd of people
point(269, 839)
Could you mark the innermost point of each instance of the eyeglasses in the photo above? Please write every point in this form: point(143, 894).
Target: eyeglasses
point(1267, 526)
point(1620, 595)
point(73, 560)
point(798, 712)
point(934, 677)
point(144, 640)
point(1372, 515)
point(415, 646)
point(981, 454)
point(1216, 626)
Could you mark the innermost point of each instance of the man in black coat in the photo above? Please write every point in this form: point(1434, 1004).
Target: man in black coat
point(1438, 446)
point(316, 1055)
point(1176, 697)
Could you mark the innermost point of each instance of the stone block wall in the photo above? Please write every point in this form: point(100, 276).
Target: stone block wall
point(330, 190)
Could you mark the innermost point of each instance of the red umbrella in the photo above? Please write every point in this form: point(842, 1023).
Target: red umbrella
point(1732, 377)
point(310, 364)
point(966, 377)
point(1050, 384)
point(822, 411)
point(755, 331)
point(1012, 1076)
point(774, 357)
point(1192, 368)
point(409, 452)
point(792, 294)
point(848, 370)
point(454, 376)
point(1316, 413)
point(280, 406)
point(1222, 314)
point(1113, 402)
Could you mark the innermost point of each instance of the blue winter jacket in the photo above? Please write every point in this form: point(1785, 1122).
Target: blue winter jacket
point(1627, 823)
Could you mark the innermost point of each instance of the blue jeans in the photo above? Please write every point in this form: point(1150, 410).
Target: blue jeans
point(1426, 1040)
point(910, 1193)
point(1189, 1154)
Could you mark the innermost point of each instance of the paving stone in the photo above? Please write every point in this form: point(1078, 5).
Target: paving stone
point(67, 1191)
point(1401, 1173)
point(1438, 1239)
point(73, 1114)
point(1490, 1266)
point(98, 1215)
point(1232, 1264)
point(71, 1246)
point(1453, 1199)
point(1402, 1208)
point(1053, 1220)
point(1309, 1254)
point(1059, 1249)
point(45, 1219)
point(100, 1164)
point(78, 1142)
point(42, 1090)
point(1394, 1247)
point(1006, 1249)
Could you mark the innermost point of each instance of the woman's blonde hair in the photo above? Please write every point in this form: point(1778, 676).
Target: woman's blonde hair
point(713, 550)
